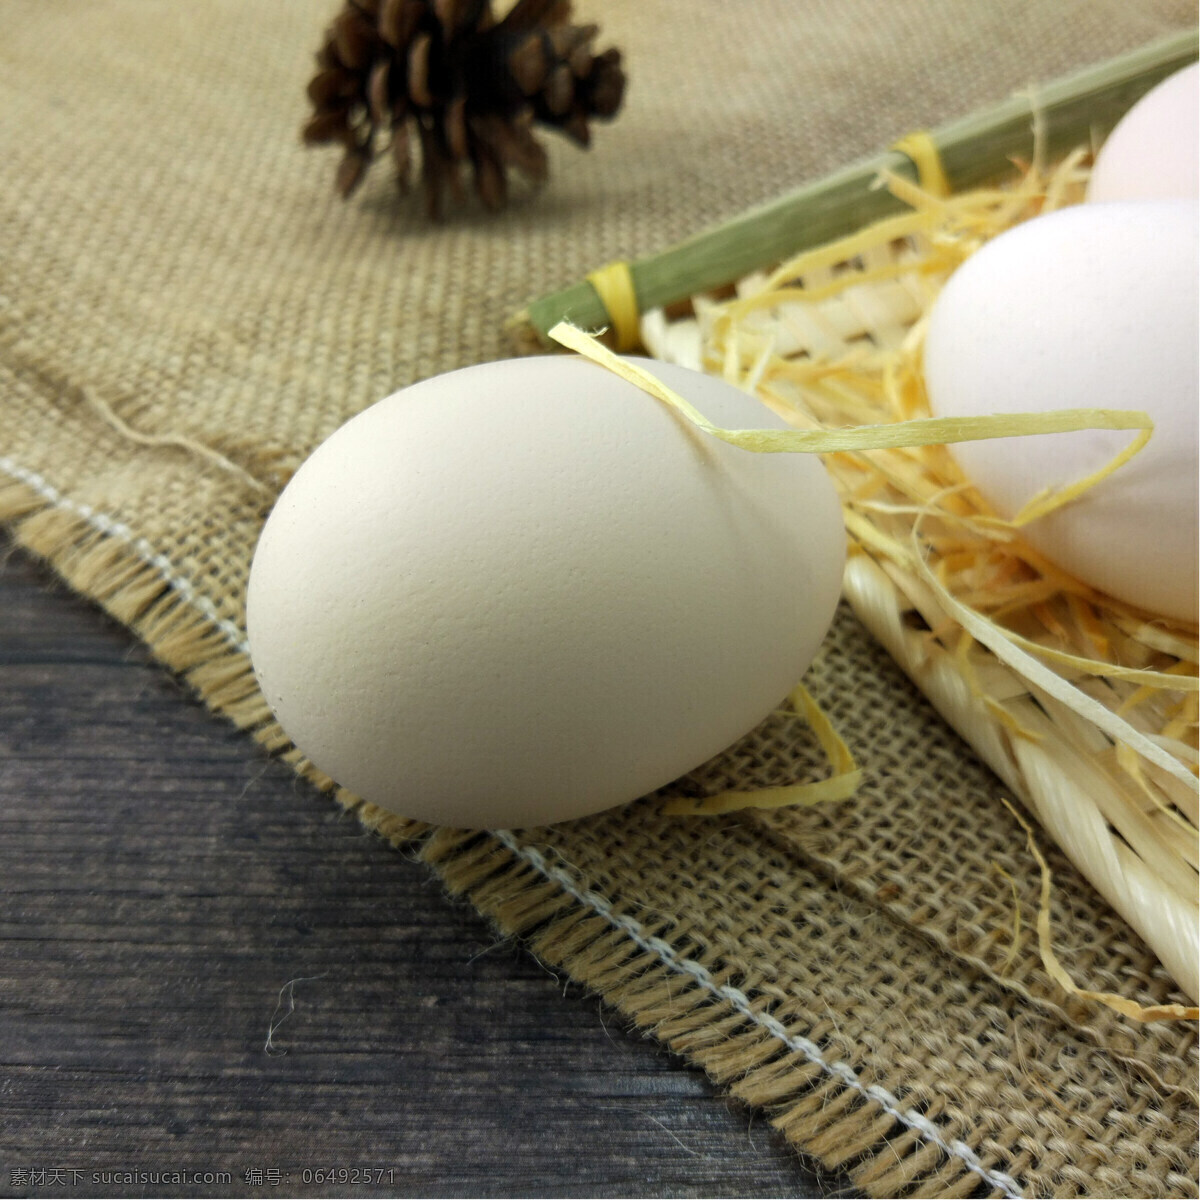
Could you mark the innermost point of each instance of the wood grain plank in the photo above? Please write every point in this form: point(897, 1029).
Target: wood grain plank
point(163, 884)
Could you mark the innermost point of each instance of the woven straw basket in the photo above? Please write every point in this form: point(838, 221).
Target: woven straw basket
point(832, 339)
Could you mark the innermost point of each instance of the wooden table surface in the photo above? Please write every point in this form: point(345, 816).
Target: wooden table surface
point(206, 968)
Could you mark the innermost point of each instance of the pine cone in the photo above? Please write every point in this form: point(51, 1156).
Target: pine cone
point(470, 86)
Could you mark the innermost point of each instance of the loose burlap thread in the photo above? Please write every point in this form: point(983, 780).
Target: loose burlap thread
point(186, 311)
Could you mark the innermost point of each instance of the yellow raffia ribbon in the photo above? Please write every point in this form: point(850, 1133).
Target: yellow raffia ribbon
point(920, 147)
point(614, 286)
point(922, 431)
point(840, 785)
point(1123, 1005)
point(1045, 502)
point(1175, 680)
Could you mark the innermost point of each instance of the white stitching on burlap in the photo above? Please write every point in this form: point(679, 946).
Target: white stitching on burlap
point(667, 954)
point(593, 900)
point(144, 550)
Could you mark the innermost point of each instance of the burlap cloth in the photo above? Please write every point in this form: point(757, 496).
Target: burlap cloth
point(186, 311)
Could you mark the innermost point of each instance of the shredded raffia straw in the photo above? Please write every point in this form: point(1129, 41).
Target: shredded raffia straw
point(1084, 706)
point(840, 785)
point(924, 431)
point(1127, 1008)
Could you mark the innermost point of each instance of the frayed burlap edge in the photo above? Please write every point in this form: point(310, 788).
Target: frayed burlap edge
point(822, 1108)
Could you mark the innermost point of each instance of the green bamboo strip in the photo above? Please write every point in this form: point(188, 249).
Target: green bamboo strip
point(973, 150)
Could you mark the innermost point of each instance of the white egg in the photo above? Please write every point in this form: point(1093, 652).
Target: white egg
point(1154, 151)
point(527, 591)
point(1094, 306)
